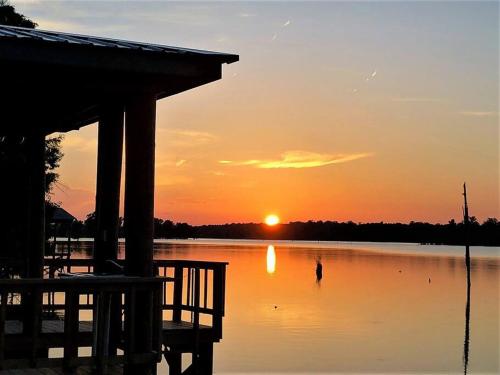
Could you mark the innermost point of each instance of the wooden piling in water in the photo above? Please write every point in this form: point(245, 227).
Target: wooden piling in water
point(467, 266)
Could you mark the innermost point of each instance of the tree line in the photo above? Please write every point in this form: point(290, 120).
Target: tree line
point(452, 233)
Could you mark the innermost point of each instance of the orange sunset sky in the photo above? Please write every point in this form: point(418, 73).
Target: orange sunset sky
point(336, 111)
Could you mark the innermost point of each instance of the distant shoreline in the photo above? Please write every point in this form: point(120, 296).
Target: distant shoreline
point(396, 248)
point(260, 241)
point(453, 233)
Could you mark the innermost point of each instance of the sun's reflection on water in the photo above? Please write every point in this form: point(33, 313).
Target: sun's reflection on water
point(271, 259)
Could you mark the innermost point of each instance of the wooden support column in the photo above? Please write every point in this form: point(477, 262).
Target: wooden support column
point(139, 206)
point(109, 166)
point(36, 201)
point(139, 185)
point(36, 229)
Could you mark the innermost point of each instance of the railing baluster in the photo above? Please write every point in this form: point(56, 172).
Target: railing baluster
point(188, 293)
point(37, 303)
point(218, 300)
point(196, 320)
point(130, 323)
point(177, 298)
point(102, 334)
point(205, 287)
point(71, 323)
point(157, 320)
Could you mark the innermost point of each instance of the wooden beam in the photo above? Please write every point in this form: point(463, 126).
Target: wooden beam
point(36, 229)
point(36, 199)
point(139, 207)
point(82, 106)
point(109, 165)
point(139, 185)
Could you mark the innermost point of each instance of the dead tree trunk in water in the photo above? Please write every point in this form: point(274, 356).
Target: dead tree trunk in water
point(467, 265)
point(467, 231)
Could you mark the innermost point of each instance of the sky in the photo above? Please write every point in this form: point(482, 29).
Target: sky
point(362, 111)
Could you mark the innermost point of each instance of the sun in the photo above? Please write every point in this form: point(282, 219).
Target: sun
point(272, 220)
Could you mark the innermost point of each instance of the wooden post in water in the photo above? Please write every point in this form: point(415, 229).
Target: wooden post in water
point(467, 265)
point(467, 234)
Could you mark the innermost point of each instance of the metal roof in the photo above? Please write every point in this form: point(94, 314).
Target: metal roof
point(21, 33)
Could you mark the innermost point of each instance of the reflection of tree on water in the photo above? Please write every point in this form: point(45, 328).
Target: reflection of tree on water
point(319, 270)
point(467, 323)
point(467, 266)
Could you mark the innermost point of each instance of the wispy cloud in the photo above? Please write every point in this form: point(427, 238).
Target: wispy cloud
point(18, 2)
point(415, 100)
point(283, 25)
point(75, 143)
point(48, 24)
point(217, 173)
point(298, 160)
point(169, 161)
point(172, 180)
point(187, 138)
point(371, 76)
point(367, 79)
point(180, 163)
point(77, 27)
point(478, 113)
point(246, 15)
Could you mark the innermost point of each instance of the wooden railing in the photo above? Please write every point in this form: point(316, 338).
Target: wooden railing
point(193, 291)
point(198, 291)
point(33, 339)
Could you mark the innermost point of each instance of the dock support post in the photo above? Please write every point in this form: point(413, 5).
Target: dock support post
point(174, 361)
point(139, 206)
point(207, 358)
point(36, 165)
point(36, 238)
point(109, 165)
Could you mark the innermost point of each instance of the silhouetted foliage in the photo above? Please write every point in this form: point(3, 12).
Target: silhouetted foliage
point(487, 233)
point(90, 225)
point(452, 233)
point(53, 154)
point(9, 16)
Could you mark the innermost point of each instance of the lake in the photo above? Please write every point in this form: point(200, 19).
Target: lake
point(379, 308)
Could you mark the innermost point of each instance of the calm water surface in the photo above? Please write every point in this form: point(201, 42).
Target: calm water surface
point(378, 308)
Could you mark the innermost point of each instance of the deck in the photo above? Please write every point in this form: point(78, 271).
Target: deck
point(91, 311)
point(49, 327)
point(52, 333)
point(83, 370)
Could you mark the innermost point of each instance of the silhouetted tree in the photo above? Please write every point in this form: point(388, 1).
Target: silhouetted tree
point(90, 224)
point(487, 233)
point(9, 16)
point(53, 154)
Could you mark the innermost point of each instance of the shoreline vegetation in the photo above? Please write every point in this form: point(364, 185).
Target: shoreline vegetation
point(452, 233)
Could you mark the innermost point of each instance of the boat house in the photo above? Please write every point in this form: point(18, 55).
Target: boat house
point(107, 315)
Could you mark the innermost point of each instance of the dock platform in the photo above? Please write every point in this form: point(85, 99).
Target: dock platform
point(95, 312)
